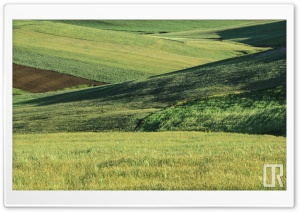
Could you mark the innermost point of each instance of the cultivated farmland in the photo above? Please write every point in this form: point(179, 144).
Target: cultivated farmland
point(110, 55)
point(37, 81)
point(186, 101)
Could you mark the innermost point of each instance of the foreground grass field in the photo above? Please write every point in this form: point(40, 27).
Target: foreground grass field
point(144, 161)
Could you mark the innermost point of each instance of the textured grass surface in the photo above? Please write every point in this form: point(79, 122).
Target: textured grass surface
point(55, 149)
point(262, 112)
point(123, 106)
point(144, 161)
point(116, 56)
point(162, 26)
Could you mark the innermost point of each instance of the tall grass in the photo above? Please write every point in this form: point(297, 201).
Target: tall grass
point(144, 161)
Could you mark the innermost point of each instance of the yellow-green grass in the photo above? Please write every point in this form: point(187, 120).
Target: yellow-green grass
point(109, 55)
point(17, 91)
point(145, 161)
point(162, 26)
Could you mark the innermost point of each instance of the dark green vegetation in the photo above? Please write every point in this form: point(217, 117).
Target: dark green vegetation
point(264, 34)
point(262, 112)
point(224, 78)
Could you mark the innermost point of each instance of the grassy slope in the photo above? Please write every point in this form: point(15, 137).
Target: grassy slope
point(162, 26)
point(262, 112)
point(116, 56)
point(263, 34)
point(144, 161)
point(160, 160)
point(122, 106)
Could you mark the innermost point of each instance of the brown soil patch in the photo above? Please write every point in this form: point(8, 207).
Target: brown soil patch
point(38, 80)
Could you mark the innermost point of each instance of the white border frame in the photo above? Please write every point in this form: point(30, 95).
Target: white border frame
point(147, 198)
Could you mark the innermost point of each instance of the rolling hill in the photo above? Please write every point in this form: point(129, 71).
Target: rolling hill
point(259, 34)
point(109, 53)
point(177, 100)
point(182, 100)
point(124, 106)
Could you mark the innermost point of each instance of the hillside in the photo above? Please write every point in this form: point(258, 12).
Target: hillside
point(124, 106)
point(260, 34)
point(163, 26)
point(179, 104)
point(259, 112)
point(104, 51)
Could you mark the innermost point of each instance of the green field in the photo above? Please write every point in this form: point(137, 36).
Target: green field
point(115, 56)
point(144, 161)
point(123, 106)
point(192, 105)
point(162, 26)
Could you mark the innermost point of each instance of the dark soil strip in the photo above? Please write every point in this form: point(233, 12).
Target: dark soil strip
point(38, 81)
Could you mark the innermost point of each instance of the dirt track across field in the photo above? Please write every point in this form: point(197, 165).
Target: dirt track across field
point(39, 81)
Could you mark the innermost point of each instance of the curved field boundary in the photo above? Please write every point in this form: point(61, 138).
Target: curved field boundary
point(38, 80)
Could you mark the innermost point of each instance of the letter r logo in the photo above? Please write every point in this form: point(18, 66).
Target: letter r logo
point(273, 175)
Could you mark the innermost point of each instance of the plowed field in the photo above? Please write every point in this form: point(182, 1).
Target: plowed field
point(38, 80)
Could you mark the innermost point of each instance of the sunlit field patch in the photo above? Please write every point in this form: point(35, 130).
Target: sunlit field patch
point(144, 161)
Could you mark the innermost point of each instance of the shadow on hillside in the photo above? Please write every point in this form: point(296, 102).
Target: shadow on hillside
point(264, 35)
point(225, 61)
point(252, 72)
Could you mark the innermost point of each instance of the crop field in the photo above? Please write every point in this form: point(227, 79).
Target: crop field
point(37, 81)
point(144, 161)
point(148, 105)
point(112, 56)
